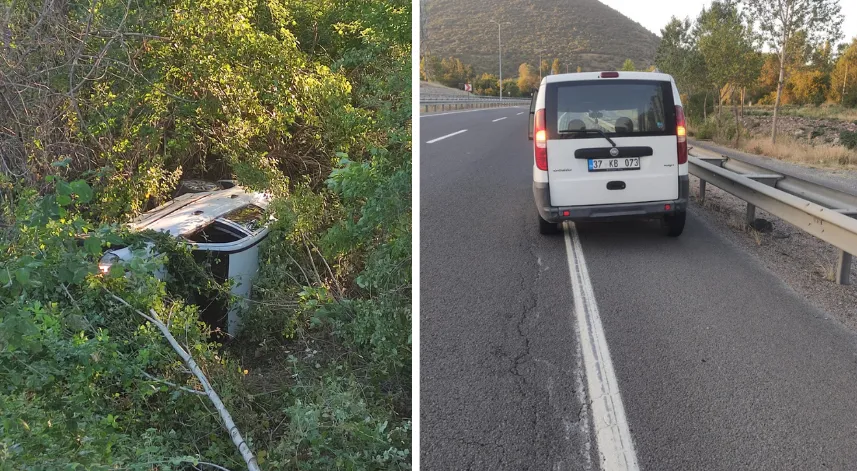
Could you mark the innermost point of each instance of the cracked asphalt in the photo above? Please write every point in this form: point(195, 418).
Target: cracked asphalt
point(720, 364)
point(499, 374)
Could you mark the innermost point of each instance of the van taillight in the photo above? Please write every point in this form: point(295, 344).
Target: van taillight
point(681, 135)
point(609, 74)
point(541, 140)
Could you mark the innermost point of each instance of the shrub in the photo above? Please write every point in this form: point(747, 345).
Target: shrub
point(848, 139)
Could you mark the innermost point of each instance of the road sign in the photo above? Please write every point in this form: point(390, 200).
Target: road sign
point(468, 87)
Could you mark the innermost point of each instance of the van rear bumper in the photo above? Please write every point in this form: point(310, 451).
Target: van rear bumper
point(606, 212)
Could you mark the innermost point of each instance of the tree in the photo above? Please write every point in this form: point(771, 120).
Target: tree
point(544, 68)
point(486, 84)
point(843, 79)
point(555, 67)
point(780, 20)
point(628, 65)
point(528, 80)
point(579, 69)
point(431, 68)
point(809, 86)
point(510, 88)
point(678, 56)
point(726, 44)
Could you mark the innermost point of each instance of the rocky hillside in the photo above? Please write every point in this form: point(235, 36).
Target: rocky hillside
point(810, 130)
point(583, 33)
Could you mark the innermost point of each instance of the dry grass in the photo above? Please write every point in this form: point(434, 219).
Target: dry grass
point(792, 150)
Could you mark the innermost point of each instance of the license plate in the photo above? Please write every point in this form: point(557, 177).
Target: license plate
point(606, 165)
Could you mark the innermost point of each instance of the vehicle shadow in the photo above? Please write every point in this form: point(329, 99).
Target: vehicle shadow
point(638, 228)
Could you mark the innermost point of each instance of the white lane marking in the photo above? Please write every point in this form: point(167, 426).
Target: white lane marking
point(498, 119)
point(444, 137)
point(466, 111)
point(612, 434)
point(519, 113)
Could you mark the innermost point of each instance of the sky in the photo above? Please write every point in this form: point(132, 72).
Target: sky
point(655, 14)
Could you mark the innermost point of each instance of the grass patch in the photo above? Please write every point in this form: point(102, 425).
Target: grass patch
point(793, 150)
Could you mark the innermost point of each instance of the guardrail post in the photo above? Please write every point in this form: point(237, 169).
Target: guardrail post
point(701, 191)
point(751, 213)
point(843, 268)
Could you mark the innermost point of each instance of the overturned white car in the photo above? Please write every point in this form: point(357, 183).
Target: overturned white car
point(228, 224)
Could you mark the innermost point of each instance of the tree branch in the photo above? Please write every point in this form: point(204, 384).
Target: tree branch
point(228, 423)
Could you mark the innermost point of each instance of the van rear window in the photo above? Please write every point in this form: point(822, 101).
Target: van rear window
point(616, 107)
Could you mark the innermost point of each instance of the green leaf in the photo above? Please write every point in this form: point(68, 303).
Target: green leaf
point(113, 239)
point(82, 190)
point(65, 275)
point(64, 189)
point(23, 276)
point(93, 245)
point(63, 200)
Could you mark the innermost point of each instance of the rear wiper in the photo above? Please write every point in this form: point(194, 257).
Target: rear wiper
point(587, 131)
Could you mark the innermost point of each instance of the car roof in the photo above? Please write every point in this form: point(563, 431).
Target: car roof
point(190, 212)
point(597, 76)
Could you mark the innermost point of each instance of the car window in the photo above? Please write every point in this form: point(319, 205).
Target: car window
point(249, 217)
point(216, 233)
point(621, 108)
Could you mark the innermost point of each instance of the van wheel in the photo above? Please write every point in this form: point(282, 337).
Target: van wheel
point(547, 228)
point(673, 224)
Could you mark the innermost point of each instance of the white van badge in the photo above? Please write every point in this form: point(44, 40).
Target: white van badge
point(614, 152)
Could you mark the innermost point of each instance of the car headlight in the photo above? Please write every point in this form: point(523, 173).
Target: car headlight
point(107, 261)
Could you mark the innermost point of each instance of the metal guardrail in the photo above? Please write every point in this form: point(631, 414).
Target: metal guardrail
point(821, 211)
point(438, 104)
point(474, 98)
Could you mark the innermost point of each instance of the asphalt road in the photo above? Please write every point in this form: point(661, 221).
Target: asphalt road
point(720, 364)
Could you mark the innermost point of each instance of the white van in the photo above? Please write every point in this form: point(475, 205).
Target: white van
point(609, 145)
point(226, 224)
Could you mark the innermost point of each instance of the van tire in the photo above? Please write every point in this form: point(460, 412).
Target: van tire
point(547, 228)
point(673, 224)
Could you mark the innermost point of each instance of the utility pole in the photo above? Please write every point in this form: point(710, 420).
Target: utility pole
point(500, 54)
point(540, 65)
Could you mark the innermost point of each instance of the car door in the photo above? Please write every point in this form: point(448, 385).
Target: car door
point(532, 114)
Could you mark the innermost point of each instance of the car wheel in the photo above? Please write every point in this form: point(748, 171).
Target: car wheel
point(673, 224)
point(547, 228)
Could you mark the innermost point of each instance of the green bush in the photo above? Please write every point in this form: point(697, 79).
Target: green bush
point(85, 381)
point(848, 139)
point(706, 130)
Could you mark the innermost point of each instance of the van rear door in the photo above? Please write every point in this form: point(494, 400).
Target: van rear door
point(585, 168)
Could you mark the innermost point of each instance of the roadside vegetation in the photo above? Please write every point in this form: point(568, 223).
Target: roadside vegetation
point(105, 107)
point(795, 103)
point(825, 111)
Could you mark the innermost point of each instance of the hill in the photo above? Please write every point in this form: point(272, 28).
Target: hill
point(583, 33)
